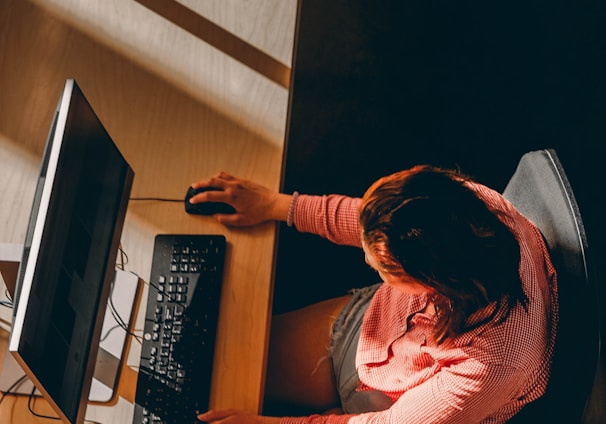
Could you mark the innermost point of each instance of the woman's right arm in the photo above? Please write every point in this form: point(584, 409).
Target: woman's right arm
point(333, 217)
point(254, 203)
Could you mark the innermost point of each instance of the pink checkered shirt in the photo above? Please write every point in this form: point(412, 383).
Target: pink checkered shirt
point(483, 376)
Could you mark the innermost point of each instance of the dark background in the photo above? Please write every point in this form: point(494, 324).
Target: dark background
point(383, 85)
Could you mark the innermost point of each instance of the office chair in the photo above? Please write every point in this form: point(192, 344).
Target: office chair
point(540, 190)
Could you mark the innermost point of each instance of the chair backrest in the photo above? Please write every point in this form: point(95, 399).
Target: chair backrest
point(540, 190)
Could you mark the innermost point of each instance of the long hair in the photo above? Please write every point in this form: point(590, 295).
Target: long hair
point(427, 223)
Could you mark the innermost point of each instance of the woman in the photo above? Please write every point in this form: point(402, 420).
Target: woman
point(461, 329)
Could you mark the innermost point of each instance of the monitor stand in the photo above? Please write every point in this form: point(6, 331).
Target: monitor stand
point(112, 347)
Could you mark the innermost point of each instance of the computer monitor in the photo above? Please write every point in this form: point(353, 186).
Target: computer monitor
point(69, 255)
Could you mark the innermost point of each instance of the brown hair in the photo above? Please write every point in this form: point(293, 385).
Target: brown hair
point(427, 223)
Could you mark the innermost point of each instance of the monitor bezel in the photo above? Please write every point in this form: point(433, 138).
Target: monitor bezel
point(36, 226)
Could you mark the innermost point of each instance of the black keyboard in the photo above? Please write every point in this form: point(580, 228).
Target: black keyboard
point(177, 351)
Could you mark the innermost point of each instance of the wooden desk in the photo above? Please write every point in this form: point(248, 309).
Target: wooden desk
point(180, 109)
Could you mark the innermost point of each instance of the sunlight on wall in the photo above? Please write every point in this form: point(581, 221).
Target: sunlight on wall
point(218, 79)
point(18, 173)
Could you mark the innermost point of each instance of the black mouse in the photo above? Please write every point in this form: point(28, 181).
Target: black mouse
point(205, 208)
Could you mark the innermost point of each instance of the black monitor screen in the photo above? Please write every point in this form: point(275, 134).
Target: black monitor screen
point(70, 255)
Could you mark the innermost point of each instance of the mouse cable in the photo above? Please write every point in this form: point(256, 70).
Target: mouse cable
point(156, 199)
point(120, 322)
point(11, 391)
point(8, 295)
point(30, 406)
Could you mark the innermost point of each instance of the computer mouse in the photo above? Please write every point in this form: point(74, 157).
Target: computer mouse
point(205, 208)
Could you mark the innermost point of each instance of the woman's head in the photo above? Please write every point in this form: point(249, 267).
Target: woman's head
point(425, 224)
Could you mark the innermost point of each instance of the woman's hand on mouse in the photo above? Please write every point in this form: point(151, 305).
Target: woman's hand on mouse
point(254, 203)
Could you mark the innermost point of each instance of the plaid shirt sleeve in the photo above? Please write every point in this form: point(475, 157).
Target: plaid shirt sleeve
point(333, 217)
